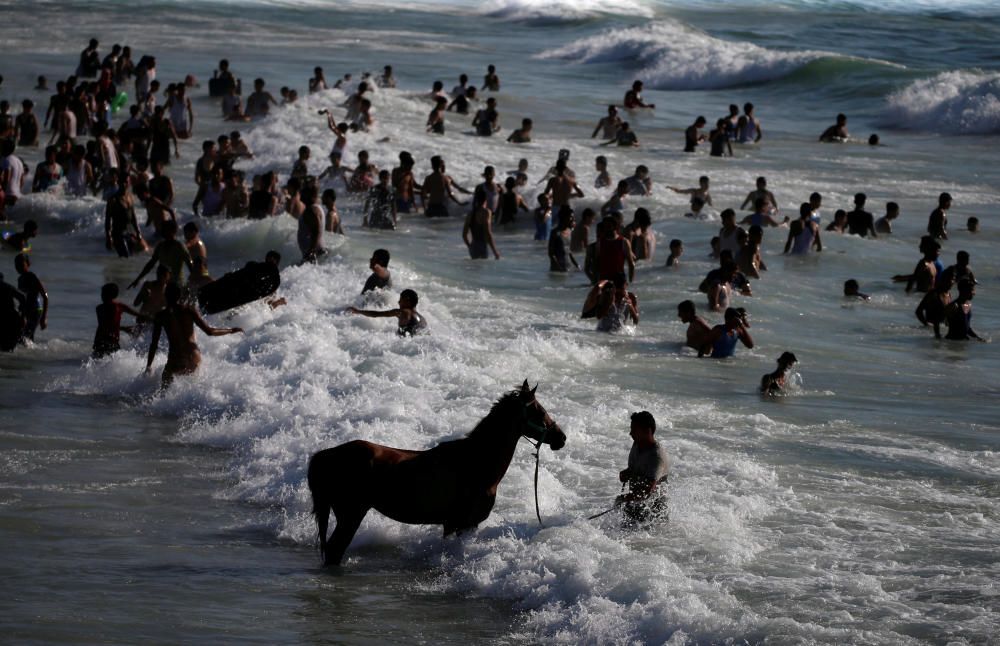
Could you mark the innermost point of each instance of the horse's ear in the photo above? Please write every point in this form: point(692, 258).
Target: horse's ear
point(533, 390)
point(524, 386)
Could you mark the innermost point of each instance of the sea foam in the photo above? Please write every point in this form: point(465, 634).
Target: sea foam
point(670, 55)
point(961, 101)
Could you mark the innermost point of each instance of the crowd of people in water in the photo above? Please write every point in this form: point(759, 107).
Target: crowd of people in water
point(127, 167)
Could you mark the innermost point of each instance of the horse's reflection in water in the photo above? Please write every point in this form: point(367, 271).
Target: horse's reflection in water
point(453, 484)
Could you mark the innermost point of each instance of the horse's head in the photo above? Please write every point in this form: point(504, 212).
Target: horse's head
point(538, 426)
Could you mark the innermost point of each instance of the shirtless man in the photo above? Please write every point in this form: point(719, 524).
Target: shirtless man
point(837, 132)
point(932, 306)
point(693, 135)
point(477, 234)
point(648, 467)
point(959, 314)
point(404, 184)
point(633, 98)
point(410, 321)
point(259, 103)
point(178, 321)
point(609, 125)
point(937, 223)
point(562, 187)
point(884, 223)
point(925, 273)
point(170, 252)
point(760, 192)
point(774, 382)
point(437, 189)
point(701, 192)
point(697, 330)
point(159, 204)
point(151, 298)
point(610, 302)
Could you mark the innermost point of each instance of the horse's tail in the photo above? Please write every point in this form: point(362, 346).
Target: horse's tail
point(321, 500)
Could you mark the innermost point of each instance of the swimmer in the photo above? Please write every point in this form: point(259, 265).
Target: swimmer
point(721, 146)
point(523, 134)
point(640, 235)
point(773, 383)
point(861, 222)
point(410, 321)
point(510, 202)
point(109, 322)
point(972, 224)
point(610, 302)
point(437, 188)
point(932, 306)
point(676, 251)
point(852, 290)
point(332, 219)
point(884, 223)
point(178, 319)
point(700, 192)
point(580, 239)
point(696, 210)
point(300, 169)
point(562, 187)
point(749, 130)
point(380, 204)
point(36, 309)
point(608, 125)
point(259, 102)
point(693, 135)
point(803, 234)
point(491, 81)
point(836, 133)
point(310, 230)
point(542, 216)
point(959, 271)
point(761, 215)
point(435, 120)
point(723, 338)
point(958, 314)
point(380, 277)
point(559, 239)
point(625, 137)
point(487, 120)
point(603, 179)
point(648, 468)
point(937, 223)
point(633, 98)
point(477, 233)
point(758, 193)
point(926, 272)
point(13, 308)
point(169, 252)
point(839, 224)
point(640, 183)
point(873, 140)
point(698, 330)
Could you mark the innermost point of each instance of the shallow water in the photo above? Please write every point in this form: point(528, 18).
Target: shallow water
point(862, 508)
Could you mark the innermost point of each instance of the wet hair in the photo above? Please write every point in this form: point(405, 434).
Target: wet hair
point(331, 194)
point(21, 262)
point(303, 150)
point(601, 159)
point(704, 178)
point(207, 145)
point(191, 227)
point(436, 162)
point(588, 214)
point(972, 223)
point(787, 358)
point(891, 207)
point(873, 140)
point(645, 419)
point(962, 256)
point(748, 108)
point(815, 197)
point(839, 213)
point(944, 197)
point(273, 256)
point(410, 295)
point(686, 306)
point(860, 199)
point(851, 285)
point(642, 217)
point(109, 292)
point(841, 117)
point(676, 242)
point(700, 120)
point(805, 210)
point(510, 183)
point(309, 193)
point(727, 213)
point(381, 256)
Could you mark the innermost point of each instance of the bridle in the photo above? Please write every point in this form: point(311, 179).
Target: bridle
point(544, 430)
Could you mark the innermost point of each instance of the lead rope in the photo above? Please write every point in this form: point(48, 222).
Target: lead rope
point(538, 457)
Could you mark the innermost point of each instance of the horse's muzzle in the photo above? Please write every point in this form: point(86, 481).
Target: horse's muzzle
point(555, 437)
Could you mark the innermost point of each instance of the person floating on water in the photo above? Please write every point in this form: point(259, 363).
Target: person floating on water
point(773, 383)
point(648, 468)
point(410, 321)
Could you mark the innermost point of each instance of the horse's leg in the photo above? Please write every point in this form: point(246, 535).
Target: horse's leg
point(348, 522)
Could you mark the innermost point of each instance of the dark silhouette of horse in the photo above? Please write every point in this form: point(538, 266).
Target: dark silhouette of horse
point(453, 484)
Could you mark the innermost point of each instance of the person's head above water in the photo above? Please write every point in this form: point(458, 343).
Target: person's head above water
point(786, 360)
point(379, 257)
point(408, 298)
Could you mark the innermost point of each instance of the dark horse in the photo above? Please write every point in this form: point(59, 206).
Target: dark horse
point(453, 484)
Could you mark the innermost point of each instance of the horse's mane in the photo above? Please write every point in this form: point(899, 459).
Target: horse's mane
point(488, 424)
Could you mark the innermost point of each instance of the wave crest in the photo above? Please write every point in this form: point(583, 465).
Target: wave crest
point(674, 56)
point(961, 101)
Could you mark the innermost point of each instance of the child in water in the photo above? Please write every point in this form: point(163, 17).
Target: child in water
point(773, 383)
point(410, 321)
point(109, 322)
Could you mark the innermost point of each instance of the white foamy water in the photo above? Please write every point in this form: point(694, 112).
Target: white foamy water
point(861, 508)
point(962, 102)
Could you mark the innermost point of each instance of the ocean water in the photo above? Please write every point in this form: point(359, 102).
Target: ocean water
point(861, 508)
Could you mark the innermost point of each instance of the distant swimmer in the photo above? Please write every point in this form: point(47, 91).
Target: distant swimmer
point(608, 125)
point(839, 224)
point(859, 221)
point(542, 215)
point(109, 322)
point(937, 223)
point(625, 137)
point(562, 187)
point(523, 134)
point(718, 138)
point(837, 132)
point(761, 191)
point(491, 82)
point(723, 338)
point(603, 179)
point(803, 234)
point(853, 290)
point(773, 383)
point(380, 277)
point(633, 98)
point(477, 233)
point(926, 272)
point(640, 235)
point(700, 192)
point(748, 130)
point(958, 314)
point(676, 251)
point(640, 183)
point(410, 321)
point(310, 230)
point(170, 252)
point(761, 216)
point(405, 184)
point(178, 319)
point(693, 135)
point(884, 224)
point(487, 120)
point(581, 233)
point(698, 331)
point(648, 468)
point(259, 103)
point(20, 241)
point(559, 240)
point(36, 298)
point(380, 204)
point(610, 302)
point(930, 311)
point(437, 189)
point(972, 224)
point(959, 271)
